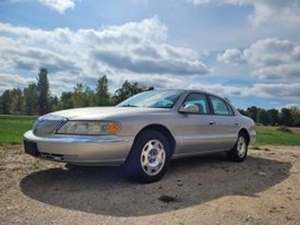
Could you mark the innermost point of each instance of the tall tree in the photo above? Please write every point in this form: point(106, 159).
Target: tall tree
point(102, 94)
point(286, 117)
point(5, 102)
point(43, 91)
point(30, 99)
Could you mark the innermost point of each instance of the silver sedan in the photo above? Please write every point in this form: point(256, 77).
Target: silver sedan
point(143, 133)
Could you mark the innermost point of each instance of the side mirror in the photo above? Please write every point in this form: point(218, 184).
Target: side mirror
point(189, 108)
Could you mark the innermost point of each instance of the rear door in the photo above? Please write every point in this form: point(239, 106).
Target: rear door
point(226, 125)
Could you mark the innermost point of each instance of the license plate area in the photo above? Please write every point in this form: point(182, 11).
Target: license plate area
point(55, 157)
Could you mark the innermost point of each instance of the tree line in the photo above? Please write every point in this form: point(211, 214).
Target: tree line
point(35, 99)
point(274, 117)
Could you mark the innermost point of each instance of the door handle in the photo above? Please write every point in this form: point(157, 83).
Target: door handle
point(236, 124)
point(212, 123)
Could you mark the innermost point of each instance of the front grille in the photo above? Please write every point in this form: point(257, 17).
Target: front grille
point(46, 127)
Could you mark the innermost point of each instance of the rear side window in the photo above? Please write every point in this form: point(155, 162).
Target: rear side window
point(219, 106)
point(199, 100)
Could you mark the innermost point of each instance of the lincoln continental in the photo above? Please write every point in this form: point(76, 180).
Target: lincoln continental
point(143, 133)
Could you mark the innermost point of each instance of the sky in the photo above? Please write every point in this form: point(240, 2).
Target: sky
point(245, 50)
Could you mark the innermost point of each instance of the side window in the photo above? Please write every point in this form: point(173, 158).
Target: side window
point(199, 100)
point(219, 106)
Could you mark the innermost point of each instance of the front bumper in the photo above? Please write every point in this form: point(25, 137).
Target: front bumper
point(79, 149)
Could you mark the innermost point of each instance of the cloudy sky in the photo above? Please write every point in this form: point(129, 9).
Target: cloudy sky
point(246, 50)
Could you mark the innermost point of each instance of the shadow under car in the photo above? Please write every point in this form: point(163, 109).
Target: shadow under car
point(189, 182)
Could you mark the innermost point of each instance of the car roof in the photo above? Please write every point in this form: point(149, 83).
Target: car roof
point(196, 91)
point(191, 90)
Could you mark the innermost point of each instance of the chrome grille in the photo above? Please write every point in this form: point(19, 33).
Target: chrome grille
point(45, 127)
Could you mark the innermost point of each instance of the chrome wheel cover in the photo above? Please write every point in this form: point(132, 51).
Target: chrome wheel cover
point(153, 157)
point(241, 147)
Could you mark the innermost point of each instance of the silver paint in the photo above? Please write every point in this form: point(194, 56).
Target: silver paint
point(193, 133)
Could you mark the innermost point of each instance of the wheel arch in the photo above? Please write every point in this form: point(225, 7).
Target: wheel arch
point(246, 132)
point(162, 129)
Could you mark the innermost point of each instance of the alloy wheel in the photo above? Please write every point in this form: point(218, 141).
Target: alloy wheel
point(153, 157)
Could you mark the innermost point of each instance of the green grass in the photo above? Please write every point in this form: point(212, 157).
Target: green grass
point(12, 128)
point(271, 136)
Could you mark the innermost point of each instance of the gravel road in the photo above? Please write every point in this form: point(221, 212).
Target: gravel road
point(265, 189)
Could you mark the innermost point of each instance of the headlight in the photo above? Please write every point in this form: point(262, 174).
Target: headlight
point(89, 128)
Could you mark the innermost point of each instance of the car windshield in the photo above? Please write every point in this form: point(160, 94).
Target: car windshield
point(153, 99)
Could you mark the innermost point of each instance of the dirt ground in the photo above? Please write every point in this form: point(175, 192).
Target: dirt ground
point(265, 189)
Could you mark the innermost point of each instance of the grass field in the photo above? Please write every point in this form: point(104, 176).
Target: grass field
point(12, 129)
point(271, 136)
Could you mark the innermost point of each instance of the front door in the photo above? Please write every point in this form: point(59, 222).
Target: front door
point(195, 130)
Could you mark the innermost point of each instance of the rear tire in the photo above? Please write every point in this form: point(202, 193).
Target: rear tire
point(149, 157)
point(240, 150)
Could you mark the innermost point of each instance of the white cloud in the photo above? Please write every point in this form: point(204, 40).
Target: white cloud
point(286, 12)
point(267, 90)
point(10, 81)
point(291, 105)
point(59, 5)
point(272, 51)
point(135, 49)
point(270, 58)
point(200, 2)
point(288, 91)
point(234, 56)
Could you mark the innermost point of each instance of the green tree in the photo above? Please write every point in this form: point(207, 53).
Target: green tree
point(66, 100)
point(16, 101)
point(5, 102)
point(243, 112)
point(286, 117)
point(78, 96)
point(54, 103)
point(102, 95)
point(273, 116)
point(82, 96)
point(127, 90)
point(89, 96)
point(296, 116)
point(263, 117)
point(252, 112)
point(30, 99)
point(43, 91)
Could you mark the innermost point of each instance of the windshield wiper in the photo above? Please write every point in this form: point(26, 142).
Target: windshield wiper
point(128, 105)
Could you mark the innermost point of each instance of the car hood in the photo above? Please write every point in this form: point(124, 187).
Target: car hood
point(94, 113)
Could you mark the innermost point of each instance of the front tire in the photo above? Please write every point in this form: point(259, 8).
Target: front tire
point(240, 150)
point(149, 156)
